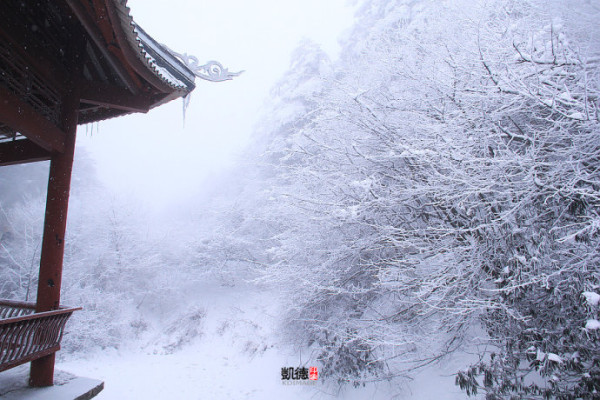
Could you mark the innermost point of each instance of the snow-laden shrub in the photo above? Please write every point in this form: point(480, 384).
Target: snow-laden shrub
point(181, 331)
point(446, 174)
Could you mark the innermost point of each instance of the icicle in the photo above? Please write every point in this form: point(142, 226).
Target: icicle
point(186, 102)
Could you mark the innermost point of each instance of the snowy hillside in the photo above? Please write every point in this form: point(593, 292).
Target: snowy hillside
point(237, 353)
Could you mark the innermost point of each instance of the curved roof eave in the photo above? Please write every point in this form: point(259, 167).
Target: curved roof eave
point(147, 57)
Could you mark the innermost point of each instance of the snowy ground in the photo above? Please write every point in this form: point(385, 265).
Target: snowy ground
point(237, 356)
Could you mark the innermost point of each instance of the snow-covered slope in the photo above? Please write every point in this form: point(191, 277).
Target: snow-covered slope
point(237, 354)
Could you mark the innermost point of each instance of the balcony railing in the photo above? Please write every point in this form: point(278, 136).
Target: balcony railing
point(26, 335)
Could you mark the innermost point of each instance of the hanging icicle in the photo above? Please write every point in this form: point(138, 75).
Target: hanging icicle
point(185, 102)
point(212, 71)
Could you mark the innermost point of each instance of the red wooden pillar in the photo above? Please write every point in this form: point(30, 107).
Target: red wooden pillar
point(55, 223)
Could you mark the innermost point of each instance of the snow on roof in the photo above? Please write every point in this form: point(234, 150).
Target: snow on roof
point(158, 59)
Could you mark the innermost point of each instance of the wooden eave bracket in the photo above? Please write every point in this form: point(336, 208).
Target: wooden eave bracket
point(129, 53)
point(90, 24)
point(110, 96)
point(22, 151)
point(24, 119)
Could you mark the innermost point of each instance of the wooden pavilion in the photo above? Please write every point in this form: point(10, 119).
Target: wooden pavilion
point(65, 63)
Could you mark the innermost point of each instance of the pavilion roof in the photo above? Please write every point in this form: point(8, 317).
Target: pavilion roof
point(44, 44)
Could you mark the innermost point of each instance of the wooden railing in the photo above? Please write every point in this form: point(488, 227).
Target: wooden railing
point(26, 335)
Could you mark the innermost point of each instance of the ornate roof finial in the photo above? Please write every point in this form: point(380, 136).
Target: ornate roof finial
point(211, 71)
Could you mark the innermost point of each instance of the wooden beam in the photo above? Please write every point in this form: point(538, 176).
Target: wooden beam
point(110, 96)
point(22, 151)
point(55, 226)
point(57, 205)
point(23, 118)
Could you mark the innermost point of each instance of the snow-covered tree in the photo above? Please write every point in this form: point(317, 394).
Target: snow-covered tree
point(444, 173)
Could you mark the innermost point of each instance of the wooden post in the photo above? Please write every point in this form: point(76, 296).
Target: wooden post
point(55, 224)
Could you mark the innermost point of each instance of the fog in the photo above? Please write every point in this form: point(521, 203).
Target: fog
point(159, 158)
point(413, 213)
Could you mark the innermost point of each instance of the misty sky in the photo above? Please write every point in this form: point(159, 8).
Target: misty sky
point(158, 159)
